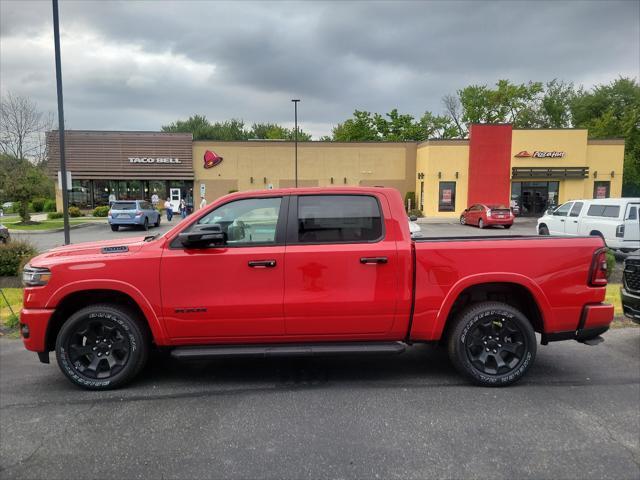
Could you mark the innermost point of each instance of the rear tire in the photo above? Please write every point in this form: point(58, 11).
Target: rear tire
point(114, 228)
point(145, 225)
point(463, 221)
point(480, 224)
point(101, 347)
point(543, 230)
point(157, 224)
point(492, 344)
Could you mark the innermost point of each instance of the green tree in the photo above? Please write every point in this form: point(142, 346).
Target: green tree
point(507, 103)
point(22, 181)
point(609, 111)
point(203, 129)
point(273, 131)
point(555, 105)
point(360, 128)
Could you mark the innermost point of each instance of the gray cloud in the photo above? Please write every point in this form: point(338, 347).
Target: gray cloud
point(138, 65)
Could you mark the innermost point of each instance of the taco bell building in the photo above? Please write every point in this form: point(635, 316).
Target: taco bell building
point(533, 169)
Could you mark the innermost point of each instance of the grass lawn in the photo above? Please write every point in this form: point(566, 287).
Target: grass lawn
point(14, 297)
point(50, 224)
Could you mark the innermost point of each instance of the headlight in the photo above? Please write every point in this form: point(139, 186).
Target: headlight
point(35, 276)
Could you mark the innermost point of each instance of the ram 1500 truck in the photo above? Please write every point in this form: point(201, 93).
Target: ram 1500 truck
point(319, 271)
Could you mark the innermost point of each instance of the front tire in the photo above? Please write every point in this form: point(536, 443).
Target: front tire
point(492, 344)
point(101, 347)
point(543, 230)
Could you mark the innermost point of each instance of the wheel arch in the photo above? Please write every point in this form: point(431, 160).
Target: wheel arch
point(74, 297)
point(512, 289)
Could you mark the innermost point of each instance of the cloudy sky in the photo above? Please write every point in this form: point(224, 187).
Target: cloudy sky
point(137, 65)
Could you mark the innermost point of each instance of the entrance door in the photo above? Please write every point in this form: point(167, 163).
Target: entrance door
point(231, 290)
point(534, 200)
point(341, 272)
point(175, 196)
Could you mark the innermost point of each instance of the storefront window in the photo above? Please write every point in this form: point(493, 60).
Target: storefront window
point(601, 189)
point(447, 197)
point(102, 189)
point(80, 194)
point(130, 190)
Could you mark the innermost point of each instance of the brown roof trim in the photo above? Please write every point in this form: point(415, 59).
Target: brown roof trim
point(262, 143)
point(605, 141)
point(123, 132)
point(444, 141)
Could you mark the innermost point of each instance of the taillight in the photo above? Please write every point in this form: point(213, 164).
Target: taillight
point(620, 231)
point(109, 214)
point(598, 273)
point(138, 213)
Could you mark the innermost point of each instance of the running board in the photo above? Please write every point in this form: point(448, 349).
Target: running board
point(286, 350)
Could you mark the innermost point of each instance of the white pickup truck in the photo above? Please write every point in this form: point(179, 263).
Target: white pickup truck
point(616, 220)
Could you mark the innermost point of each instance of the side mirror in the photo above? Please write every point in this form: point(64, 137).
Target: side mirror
point(413, 218)
point(201, 236)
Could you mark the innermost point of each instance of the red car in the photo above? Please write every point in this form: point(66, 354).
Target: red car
point(487, 216)
point(310, 271)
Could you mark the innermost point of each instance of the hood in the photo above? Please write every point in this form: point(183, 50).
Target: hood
point(102, 249)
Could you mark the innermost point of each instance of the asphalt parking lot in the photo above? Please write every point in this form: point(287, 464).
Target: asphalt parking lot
point(101, 231)
point(576, 415)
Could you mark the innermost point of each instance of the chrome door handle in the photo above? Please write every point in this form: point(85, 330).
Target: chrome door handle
point(262, 263)
point(366, 260)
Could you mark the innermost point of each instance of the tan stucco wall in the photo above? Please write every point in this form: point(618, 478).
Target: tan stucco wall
point(272, 163)
point(440, 161)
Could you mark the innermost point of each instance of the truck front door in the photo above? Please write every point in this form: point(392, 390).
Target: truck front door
point(341, 271)
point(232, 290)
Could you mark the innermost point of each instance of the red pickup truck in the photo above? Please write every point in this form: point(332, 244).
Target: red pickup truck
point(319, 271)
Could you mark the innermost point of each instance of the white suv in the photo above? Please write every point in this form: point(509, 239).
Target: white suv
point(616, 220)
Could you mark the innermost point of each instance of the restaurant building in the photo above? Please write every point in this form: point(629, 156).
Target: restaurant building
point(530, 169)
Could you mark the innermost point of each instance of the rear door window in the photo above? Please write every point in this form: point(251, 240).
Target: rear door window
point(339, 219)
point(632, 212)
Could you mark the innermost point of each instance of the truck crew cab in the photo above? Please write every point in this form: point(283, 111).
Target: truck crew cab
point(310, 272)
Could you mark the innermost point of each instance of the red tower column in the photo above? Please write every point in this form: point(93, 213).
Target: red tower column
point(489, 164)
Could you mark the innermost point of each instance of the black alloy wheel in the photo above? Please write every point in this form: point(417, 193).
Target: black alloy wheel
point(492, 343)
point(101, 347)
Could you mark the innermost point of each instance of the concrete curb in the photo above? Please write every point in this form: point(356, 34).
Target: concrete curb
point(52, 230)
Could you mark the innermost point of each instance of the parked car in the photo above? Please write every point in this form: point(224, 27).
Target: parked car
point(630, 290)
point(310, 271)
point(487, 216)
point(616, 220)
point(7, 205)
point(133, 213)
point(5, 237)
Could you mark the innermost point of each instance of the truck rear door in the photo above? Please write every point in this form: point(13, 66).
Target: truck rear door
point(632, 226)
point(341, 273)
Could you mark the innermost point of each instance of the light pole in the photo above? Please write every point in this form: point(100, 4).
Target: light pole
point(63, 165)
point(295, 134)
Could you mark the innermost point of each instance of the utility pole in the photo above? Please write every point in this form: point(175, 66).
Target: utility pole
point(63, 165)
point(295, 135)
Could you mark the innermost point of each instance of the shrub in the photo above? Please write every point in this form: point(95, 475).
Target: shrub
point(14, 255)
point(232, 191)
point(12, 321)
point(415, 212)
point(102, 211)
point(410, 196)
point(49, 205)
point(74, 212)
point(38, 204)
point(54, 215)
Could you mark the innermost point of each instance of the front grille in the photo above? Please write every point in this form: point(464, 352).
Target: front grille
point(632, 275)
